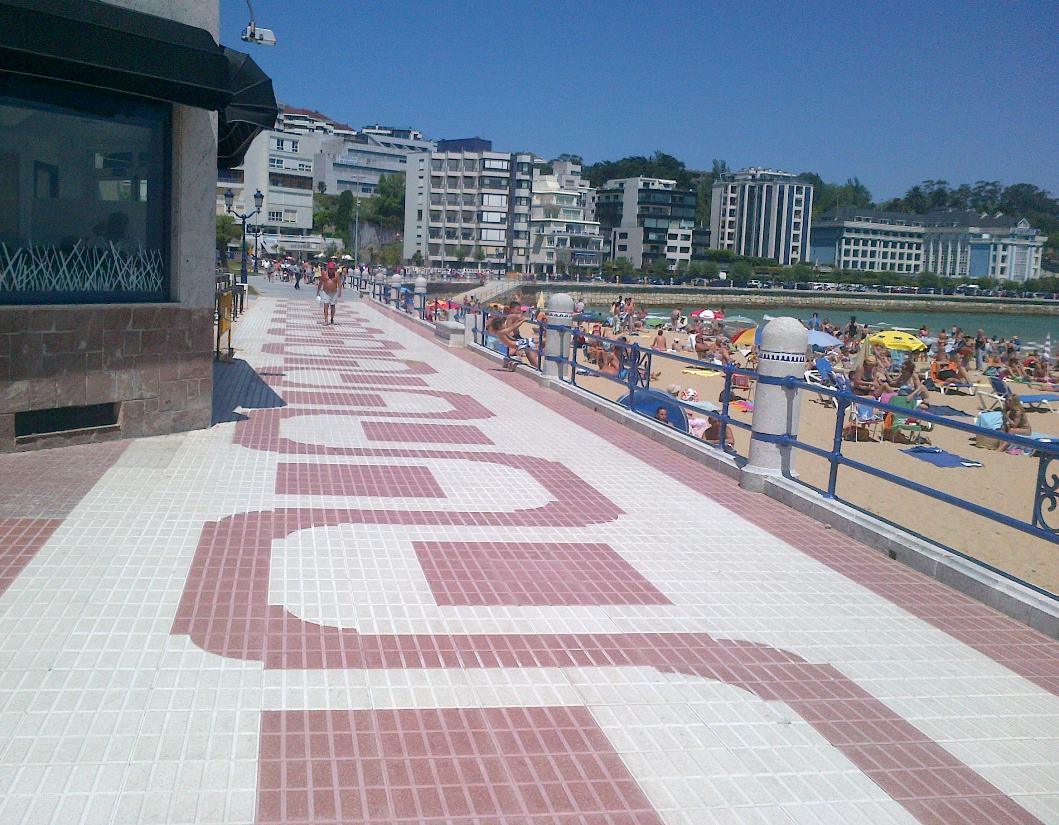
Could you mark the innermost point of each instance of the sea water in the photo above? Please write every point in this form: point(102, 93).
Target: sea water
point(1029, 328)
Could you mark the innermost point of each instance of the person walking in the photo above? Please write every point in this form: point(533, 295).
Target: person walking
point(328, 291)
point(297, 276)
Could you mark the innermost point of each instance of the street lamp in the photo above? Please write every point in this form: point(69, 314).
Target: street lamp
point(229, 202)
point(256, 229)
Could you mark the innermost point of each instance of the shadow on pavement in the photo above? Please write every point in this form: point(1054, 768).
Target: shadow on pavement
point(235, 384)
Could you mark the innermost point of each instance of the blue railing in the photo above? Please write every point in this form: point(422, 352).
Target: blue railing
point(1046, 495)
point(635, 376)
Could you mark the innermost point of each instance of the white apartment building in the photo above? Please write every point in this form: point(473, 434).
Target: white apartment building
point(470, 208)
point(562, 237)
point(280, 165)
point(965, 244)
point(762, 213)
point(309, 121)
point(355, 163)
point(869, 240)
point(646, 220)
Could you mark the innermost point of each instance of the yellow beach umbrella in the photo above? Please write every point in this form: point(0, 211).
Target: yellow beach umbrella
point(746, 337)
point(897, 340)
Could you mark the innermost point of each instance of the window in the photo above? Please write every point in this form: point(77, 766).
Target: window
point(494, 200)
point(281, 144)
point(494, 163)
point(290, 216)
point(289, 181)
point(622, 247)
point(492, 217)
point(84, 206)
point(494, 234)
point(275, 216)
point(275, 163)
point(305, 167)
point(294, 146)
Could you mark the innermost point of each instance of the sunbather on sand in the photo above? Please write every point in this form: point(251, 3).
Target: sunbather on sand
point(947, 370)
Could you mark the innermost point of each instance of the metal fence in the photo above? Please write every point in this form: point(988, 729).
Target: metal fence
point(634, 374)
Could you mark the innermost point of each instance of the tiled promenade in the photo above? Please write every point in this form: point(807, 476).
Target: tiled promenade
point(397, 585)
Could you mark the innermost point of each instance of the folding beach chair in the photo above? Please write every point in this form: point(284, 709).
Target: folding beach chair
point(822, 375)
point(1035, 402)
point(863, 418)
point(903, 423)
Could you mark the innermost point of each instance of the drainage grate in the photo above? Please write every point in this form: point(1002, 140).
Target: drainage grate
point(65, 419)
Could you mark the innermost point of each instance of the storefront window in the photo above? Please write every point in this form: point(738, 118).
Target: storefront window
point(83, 196)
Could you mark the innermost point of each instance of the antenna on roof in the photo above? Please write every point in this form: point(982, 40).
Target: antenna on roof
point(252, 34)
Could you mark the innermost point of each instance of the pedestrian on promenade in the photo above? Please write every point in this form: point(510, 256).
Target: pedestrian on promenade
point(328, 290)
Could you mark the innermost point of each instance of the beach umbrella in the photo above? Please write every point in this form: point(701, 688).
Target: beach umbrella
point(347, 257)
point(709, 314)
point(896, 340)
point(648, 402)
point(739, 321)
point(748, 337)
point(319, 255)
point(653, 321)
point(821, 339)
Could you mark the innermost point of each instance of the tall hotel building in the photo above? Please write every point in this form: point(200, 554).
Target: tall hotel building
point(459, 203)
point(762, 213)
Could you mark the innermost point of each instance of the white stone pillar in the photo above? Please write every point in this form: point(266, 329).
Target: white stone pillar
point(421, 296)
point(395, 290)
point(557, 344)
point(782, 354)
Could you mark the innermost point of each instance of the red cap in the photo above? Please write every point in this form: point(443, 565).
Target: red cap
point(331, 265)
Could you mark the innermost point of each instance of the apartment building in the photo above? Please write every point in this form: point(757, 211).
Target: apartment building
point(356, 162)
point(469, 207)
point(309, 122)
point(869, 240)
point(646, 220)
point(562, 237)
point(966, 244)
point(762, 213)
point(279, 164)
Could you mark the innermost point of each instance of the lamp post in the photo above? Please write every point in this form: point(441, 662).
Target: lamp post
point(255, 230)
point(229, 201)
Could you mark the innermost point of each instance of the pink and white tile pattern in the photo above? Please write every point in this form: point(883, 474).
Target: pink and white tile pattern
point(427, 591)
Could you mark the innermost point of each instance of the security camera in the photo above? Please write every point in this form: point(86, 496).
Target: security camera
point(262, 37)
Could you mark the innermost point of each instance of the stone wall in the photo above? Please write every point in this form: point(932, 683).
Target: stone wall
point(156, 359)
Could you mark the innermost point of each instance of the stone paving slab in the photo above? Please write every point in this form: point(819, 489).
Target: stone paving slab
point(396, 585)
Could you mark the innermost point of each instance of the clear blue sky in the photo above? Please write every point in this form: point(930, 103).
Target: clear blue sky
point(892, 92)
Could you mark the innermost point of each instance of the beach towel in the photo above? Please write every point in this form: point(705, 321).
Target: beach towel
point(701, 372)
point(939, 457)
point(742, 406)
point(944, 410)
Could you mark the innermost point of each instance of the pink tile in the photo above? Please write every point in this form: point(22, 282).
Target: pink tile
point(444, 766)
point(20, 540)
point(424, 433)
point(388, 480)
point(541, 573)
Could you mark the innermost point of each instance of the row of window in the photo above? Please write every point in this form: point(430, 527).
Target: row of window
point(469, 199)
point(282, 216)
point(285, 144)
point(483, 182)
point(472, 165)
point(279, 163)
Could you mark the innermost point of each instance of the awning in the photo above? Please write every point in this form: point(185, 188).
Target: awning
point(101, 46)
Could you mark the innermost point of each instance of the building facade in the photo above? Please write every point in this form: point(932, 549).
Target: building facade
point(469, 208)
point(762, 213)
point(966, 244)
point(356, 163)
point(280, 165)
point(869, 240)
point(646, 220)
point(107, 231)
point(562, 237)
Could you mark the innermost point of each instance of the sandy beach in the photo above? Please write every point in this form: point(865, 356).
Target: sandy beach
point(1004, 483)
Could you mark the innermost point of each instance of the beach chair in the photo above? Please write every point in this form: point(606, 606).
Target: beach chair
point(822, 375)
point(1034, 402)
point(903, 423)
point(863, 418)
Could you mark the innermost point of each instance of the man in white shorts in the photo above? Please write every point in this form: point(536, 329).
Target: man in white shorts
point(328, 291)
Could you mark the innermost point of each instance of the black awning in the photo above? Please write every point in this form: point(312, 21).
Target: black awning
point(253, 108)
point(95, 44)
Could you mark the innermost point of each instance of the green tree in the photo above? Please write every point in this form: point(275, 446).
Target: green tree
point(742, 270)
point(386, 207)
point(417, 258)
point(461, 255)
point(658, 165)
point(321, 187)
point(388, 254)
point(227, 231)
point(479, 255)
